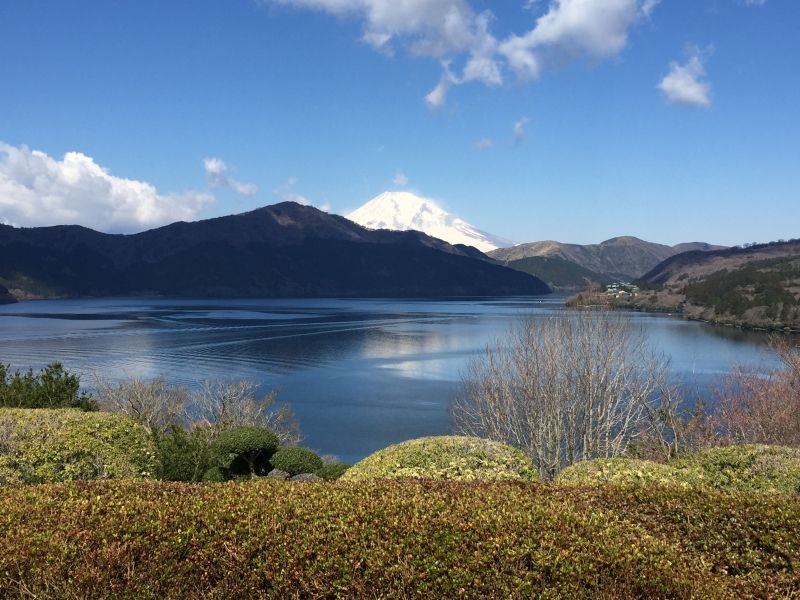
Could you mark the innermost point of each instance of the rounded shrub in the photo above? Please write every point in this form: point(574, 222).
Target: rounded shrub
point(296, 460)
point(445, 457)
point(52, 445)
point(333, 471)
point(626, 471)
point(245, 450)
point(746, 468)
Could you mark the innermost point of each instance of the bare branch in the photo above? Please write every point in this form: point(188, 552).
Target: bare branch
point(223, 404)
point(565, 388)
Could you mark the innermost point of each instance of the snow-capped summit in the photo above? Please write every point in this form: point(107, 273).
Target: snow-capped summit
point(403, 210)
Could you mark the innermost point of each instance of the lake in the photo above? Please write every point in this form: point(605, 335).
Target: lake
point(359, 374)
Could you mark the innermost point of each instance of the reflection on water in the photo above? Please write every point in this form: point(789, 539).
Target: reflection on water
point(360, 374)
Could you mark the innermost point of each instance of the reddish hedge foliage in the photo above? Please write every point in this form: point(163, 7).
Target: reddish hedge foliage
point(398, 539)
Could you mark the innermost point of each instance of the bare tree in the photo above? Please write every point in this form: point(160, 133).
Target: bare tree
point(565, 388)
point(788, 352)
point(154, 403)
point(223, 404)
point(761, 407)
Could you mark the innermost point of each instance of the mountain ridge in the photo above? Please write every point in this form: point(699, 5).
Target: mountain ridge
point(622, 257)
point(275, 251)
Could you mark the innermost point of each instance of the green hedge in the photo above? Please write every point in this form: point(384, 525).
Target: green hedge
point(49, 445)
point(394, 539)
point(626, 471)
point(729, 468)
point(746, 468)
point(445, 457)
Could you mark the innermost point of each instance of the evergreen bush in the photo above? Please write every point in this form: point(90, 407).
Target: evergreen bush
point(753, 468)
point(245, 450)
point(185, 455)
point(627, 471)
point(43, 446)
point(333, 471)
point(52, 387)
point(295, 460)
point(445, 457)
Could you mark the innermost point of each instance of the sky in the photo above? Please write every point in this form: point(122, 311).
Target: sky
point(573, 120)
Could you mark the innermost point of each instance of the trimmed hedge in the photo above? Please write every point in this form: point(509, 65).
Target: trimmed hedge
point(393, 539)
point(746, 468)
point(729, 468)
point(295, 460)
point(627, 471)
point(50, 445)
point(445, 457)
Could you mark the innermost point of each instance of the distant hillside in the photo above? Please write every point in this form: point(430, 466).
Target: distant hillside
point(757, 286)
point(559, 273)
point(618, 258)
point(282, 250)
point(5, 296)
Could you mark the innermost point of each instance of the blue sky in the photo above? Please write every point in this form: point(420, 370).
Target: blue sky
point(575, 120)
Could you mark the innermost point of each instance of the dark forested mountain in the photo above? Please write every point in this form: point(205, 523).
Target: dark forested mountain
point(5, 296)
point(281, 250)
point(559, 273)
point(618, 258)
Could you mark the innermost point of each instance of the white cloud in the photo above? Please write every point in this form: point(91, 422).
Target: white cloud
point(649, 6)
point(217, 175)
point(574, 29)
point(438, 95)
point(755, 2)
point(36, 189)
point(483, 144)
point(519, 129)
point(400, 179)
point(455, 33)
point(685, 84)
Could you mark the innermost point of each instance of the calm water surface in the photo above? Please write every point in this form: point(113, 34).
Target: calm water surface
point(359, 374)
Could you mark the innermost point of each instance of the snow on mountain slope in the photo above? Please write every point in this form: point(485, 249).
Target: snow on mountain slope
point(403, 210)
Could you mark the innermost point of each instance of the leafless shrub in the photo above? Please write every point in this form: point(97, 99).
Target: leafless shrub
point(761, 408)
point(566, 388)
point(223, 404)
point(154, 403)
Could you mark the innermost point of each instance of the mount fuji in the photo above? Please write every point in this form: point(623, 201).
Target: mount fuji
point(402, 211)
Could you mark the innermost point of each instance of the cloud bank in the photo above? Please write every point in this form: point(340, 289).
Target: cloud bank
point(37, 190)
point(460, 37)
